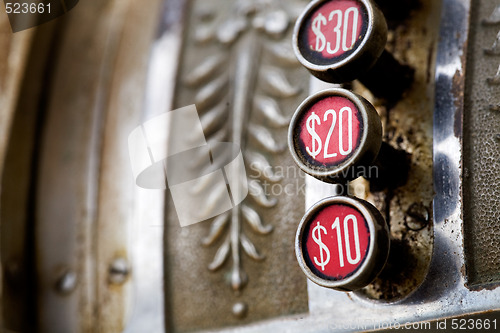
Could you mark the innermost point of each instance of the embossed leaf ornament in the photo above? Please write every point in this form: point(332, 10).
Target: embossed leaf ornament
point(228, 87)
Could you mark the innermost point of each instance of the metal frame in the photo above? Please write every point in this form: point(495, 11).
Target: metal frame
point(443, 293)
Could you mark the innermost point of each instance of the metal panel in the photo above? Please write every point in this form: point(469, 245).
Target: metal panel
point(66, 189)
point(443, 292)
point(117, 233)
point(148, 312)
point(100, 252)
point(481, 147)
point(84, 196)
point(238, 68)
point(14, 59)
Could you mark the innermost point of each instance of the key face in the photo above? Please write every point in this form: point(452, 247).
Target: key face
point(330, 131)
point(342, 243)
point(333, 31)
point(333, 133)
point(337, 240)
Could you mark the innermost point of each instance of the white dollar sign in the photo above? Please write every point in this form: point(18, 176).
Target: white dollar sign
point(322, 247)
point(318, 21)
point(311, 124)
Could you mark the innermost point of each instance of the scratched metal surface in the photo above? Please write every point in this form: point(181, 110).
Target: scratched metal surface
point(444, 291)
point(447, 289)
point(14, 268)
point(481, 142)
point(238, 68)
point(67, 182)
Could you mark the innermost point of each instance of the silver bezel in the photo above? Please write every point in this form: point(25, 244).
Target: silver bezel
point(370, 259)
point(323, 68)
point(353, 159)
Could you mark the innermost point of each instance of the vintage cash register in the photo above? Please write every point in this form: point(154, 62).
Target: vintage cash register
point(251, 166)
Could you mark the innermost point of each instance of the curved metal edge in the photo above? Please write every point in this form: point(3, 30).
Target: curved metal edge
point(151, 304)
point(448, 253)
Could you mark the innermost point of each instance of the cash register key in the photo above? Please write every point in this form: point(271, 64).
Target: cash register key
point(342, 40)
point(342, 243)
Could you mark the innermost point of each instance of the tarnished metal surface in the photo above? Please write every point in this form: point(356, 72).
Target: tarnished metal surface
point(13, 53)
point(481, 143)
point(119, 234)
point(239, 69)
point(14, 229)
point(443, 293)
point(84, 186)
point(67, 189)
point(102, 253)
point(407, 127)
point(150, 299)
point(16, 216)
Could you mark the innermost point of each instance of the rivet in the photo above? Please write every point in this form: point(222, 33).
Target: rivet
point(118, 271)
point(240, 310)
point(67, 282)
point(417, 217)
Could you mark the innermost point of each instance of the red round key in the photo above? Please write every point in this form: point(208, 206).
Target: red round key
point(337, 40)
point(332, 132)
point(342, 243)
point(336, 242)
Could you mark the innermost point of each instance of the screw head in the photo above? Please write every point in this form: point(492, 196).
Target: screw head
point(342, 243)
point(240, 310)
point(118, 271)
point(338, 40)
point(67, 282)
